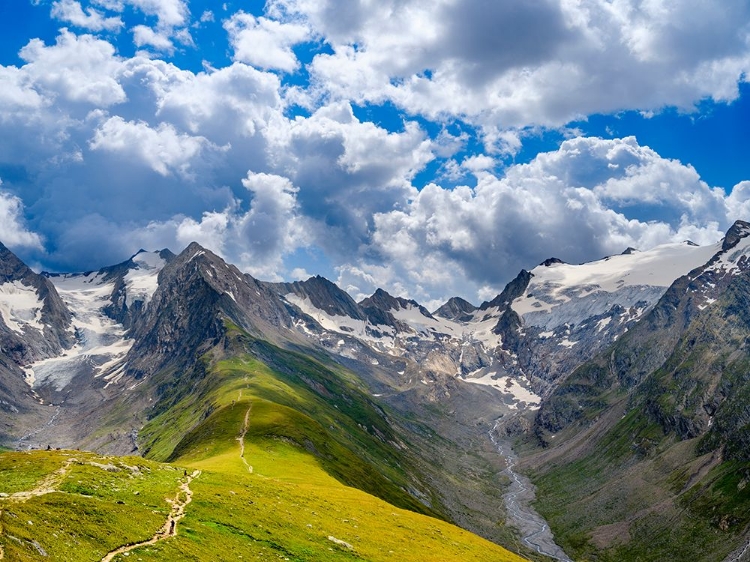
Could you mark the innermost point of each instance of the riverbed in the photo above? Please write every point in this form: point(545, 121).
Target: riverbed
point(534, 530)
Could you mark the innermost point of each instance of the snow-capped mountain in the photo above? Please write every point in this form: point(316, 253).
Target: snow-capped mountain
point(34, 322)
point(103, 305)
point(123, 324)
point(539, 328)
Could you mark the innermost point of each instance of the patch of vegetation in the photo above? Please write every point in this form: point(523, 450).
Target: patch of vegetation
point(80, 505)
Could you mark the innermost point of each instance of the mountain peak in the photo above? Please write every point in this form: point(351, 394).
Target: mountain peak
point(551, 261)
point(629, 251)
point(738, 231)
point(456, 309)
point(192, 248)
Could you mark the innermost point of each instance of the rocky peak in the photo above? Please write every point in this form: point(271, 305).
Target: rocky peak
point(321, 294)
point(551, 261)
point(456, 309)
point(738, 231)
point(382, 300)
point(512, 291)
point(35, 321)
point(12, 268)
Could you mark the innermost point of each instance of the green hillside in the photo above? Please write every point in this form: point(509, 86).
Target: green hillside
point(256, 454)
point(653, 463)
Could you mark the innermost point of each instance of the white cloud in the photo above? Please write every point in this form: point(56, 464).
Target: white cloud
point(256, 240)
point(162, 149)
point(263, 42)
point(144, 36)
point(511, 64)
point(71, 11)
point(78, 68)
point(347, 171)
point(570, 203)
point(13, 230)
point(234, 102)
point(170, 13)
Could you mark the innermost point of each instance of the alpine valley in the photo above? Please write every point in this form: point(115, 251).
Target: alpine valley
point(172, 407)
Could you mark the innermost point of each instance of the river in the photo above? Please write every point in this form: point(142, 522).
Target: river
point(535, 532)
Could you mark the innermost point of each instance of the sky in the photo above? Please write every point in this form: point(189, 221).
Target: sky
point(432, 148)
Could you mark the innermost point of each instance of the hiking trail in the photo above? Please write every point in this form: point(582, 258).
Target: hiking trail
point(169, 529)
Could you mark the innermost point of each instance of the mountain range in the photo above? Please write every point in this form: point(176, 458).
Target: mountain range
point(621, 383)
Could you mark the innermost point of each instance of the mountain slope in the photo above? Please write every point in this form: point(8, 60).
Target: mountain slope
point(199, 355)
point(651, 436)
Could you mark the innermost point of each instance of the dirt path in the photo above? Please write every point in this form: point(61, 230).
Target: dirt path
point(241, 439)
point(47, 485)
point(169, 529)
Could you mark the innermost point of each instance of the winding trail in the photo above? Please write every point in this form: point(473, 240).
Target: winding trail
point(535, 531)
point(47, 485)
point(241, 438)
point(169, 529)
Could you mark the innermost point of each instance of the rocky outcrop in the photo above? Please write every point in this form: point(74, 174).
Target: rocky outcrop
point(456, 309)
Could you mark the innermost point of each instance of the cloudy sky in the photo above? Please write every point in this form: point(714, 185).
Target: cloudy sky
point(429, 147)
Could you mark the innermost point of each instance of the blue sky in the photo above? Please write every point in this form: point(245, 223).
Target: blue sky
point(432, 148)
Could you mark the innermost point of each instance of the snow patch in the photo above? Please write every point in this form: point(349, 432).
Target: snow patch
point(20, 307)
point(101, 346)
point(557, 284)
point(142, 281)
point(522, 396)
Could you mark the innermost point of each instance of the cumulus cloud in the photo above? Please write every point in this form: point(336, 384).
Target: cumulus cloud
point(78, 68)
point(144, 36)
point(348, 170)
point(169, 13)
point(163, 149)
point(263, 42)
point(72, 12)
point(13, 230)
point(105, 153)
point(517, 64)
point(590, 198)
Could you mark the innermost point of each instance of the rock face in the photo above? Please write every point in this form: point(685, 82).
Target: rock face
point(322, 295)
point(197, 294)
point(34, 321)
point(456, 309)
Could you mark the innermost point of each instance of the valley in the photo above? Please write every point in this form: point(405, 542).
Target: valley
point(288, 419)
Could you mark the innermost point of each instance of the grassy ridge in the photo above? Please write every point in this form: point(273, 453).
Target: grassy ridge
point(287, 508)
point(82, 505)
point(300, 400)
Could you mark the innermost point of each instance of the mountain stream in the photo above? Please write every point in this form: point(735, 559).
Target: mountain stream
point(535, 532)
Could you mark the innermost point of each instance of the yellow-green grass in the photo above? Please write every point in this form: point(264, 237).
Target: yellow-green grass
point(343, 429)
point(317, 447)
point(288, 507)
point(87, 504)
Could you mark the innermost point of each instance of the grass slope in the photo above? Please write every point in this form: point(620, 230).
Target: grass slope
point(290, 460)
point(660, 473)
point(287, 508)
